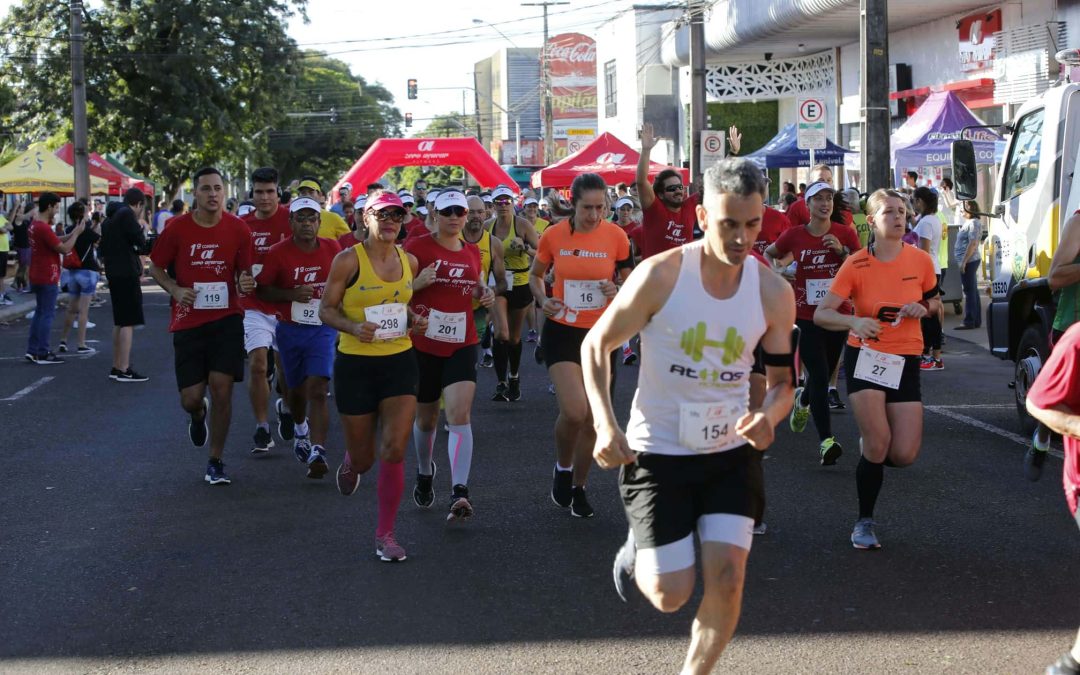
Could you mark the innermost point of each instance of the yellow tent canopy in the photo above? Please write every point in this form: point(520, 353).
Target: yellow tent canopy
point(39, 170)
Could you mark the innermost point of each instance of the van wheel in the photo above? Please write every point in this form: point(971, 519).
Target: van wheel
point(1030, 356)
point(957, 308)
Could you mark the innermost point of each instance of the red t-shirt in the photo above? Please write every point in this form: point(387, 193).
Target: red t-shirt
point(44, 260)
point(416, 229)
point(799, 214)
point(264, 234)
point(348, 240)
point(663, 229)
point(773, 224)
point(457, 274)
point(288, 266)
point(1058, 383)
point(201, 255)
point(817, 264)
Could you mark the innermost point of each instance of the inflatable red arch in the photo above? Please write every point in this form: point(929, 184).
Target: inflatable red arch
point(386, 153)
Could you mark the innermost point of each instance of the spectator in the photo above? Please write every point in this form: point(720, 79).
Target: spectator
point(20, 240)
point(82, 279)
point(161, 216)
point(968, 239)
point(45, 251)
point(122, 241)
point(344, 195)
point(5, 249)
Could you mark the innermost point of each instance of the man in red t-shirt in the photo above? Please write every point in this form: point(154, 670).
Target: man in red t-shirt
point(45, 252)
point(1054, 400)
point(291, 282)
point(269, 224)
point(773, 224)
point(668, 215)
point(203, 261)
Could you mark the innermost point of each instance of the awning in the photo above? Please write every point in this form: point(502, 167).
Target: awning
point(38, 170)
point(782, 152)
point(118, 182)
point(606, 155)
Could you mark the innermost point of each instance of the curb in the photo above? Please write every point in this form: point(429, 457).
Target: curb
point(17, 311)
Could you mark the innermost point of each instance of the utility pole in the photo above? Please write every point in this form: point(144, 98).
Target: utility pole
point(697, 85)
point(78, 99)
point(874, 94)
point(549, 126)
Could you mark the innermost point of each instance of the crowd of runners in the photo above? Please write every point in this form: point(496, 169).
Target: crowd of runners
point(400, 299)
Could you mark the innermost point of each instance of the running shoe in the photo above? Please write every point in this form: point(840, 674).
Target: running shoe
point(830, 451)
point(128, 375)
point(629, 358)
point(1066, 665)
point(579, 504)
point(460, 506)
point(285, 424)
point(834, 400)
point(347, 479)
point(388, 549)
point(262, 442)
point(62, 347)
point(1036, 455)
point(500, 392)
point(800, 414)
point(531, 337)
point(85, 351)
point(930, 363)
point(760, 528)
point(215, 473)
point(302, 449)
point(487, 361)
point(198, 429)
point(30, 357)
point(423, 493)
point(562, 483)
point(316, 466)
point(513, 389)
point(863, 537)
point(538, 354)
point(48, 359)
point(623, 570)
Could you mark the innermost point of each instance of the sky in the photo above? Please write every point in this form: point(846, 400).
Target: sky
point(434, 41)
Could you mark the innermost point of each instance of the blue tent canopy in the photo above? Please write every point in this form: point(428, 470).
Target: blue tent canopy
point(782, 152)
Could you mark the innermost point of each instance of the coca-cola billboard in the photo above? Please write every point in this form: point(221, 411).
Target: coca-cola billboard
point(571, 62)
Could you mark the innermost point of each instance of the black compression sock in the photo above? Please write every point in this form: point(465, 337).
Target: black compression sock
point(499, 351)
point(514, 353)
point(868, 479)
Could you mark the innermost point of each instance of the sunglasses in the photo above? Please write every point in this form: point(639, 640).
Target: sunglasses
point(504, 201)
point(394, 215)
point(454, 211)
point(674, 188)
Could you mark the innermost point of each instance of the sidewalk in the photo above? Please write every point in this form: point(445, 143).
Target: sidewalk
point(24, 304)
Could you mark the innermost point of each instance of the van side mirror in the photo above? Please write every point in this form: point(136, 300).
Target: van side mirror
point(965, 176)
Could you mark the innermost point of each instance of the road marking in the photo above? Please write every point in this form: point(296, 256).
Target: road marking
point(26, 390)
point(979, 424)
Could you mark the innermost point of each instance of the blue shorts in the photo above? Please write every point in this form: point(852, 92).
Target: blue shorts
point(306, 351)
point(82, 282)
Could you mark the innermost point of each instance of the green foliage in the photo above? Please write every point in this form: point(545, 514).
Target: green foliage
point(317, 144)
point(757, 122)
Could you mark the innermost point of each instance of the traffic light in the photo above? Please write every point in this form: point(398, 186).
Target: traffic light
point(408, 119)
point(412, 89)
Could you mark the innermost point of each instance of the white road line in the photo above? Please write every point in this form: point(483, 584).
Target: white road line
point(23, 392)
point(979, 424)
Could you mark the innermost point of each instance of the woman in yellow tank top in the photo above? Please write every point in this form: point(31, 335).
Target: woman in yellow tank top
point(375, 373)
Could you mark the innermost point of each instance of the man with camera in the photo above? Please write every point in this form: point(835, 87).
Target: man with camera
point(122, 243)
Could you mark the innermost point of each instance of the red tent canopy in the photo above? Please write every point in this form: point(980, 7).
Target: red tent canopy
point(100, 167)
point(389, 152)
point(615, 161)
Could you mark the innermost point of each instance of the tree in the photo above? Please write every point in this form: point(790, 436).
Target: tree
point(332, 118)
point(171, 85)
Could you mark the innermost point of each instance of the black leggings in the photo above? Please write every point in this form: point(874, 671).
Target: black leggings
point(820, 351)
point(931, 326)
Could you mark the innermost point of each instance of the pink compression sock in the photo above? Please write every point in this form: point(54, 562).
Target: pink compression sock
point(390, 486)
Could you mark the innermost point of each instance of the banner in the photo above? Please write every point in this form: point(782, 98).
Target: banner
point(571, 62)
point(976, 35)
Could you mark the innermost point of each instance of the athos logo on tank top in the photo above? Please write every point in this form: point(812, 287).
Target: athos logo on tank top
point(693, 342)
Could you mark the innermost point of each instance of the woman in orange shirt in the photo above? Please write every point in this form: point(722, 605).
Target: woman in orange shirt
point(892, 285)
point(591, 259)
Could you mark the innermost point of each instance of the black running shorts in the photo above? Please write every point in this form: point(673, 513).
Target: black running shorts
point(127, 302)
point(910, 389)
point(216, 347)
point(518, 297)
point(439, 372)
point(362, 382)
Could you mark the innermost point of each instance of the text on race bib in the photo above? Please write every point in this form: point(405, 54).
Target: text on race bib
point(816, 289)
point(211, 295)
point(879, 368)
point(392, 319)
point(582, 295)
point(509, 280)
point(307, 313)
point(446, 326)
point(708, 427)
point(255, 270)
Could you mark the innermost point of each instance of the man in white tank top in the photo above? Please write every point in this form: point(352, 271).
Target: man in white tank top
point(691, 456)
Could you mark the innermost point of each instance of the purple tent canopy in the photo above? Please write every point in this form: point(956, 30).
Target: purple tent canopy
point(925, 139)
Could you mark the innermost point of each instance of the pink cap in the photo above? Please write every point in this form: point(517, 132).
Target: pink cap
point(384, 200)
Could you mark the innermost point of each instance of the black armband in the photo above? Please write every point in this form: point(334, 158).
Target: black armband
point(932, 293)
point(626, 263)
point(778, 360)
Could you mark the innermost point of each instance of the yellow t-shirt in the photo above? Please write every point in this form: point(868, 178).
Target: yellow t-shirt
point(369, 290)
point(332, 226)
point(5, 238)
point(540, 225)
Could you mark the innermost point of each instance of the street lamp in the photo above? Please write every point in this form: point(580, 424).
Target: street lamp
point(481, 22)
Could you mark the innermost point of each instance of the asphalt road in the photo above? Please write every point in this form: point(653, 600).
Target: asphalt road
point(115, 556)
